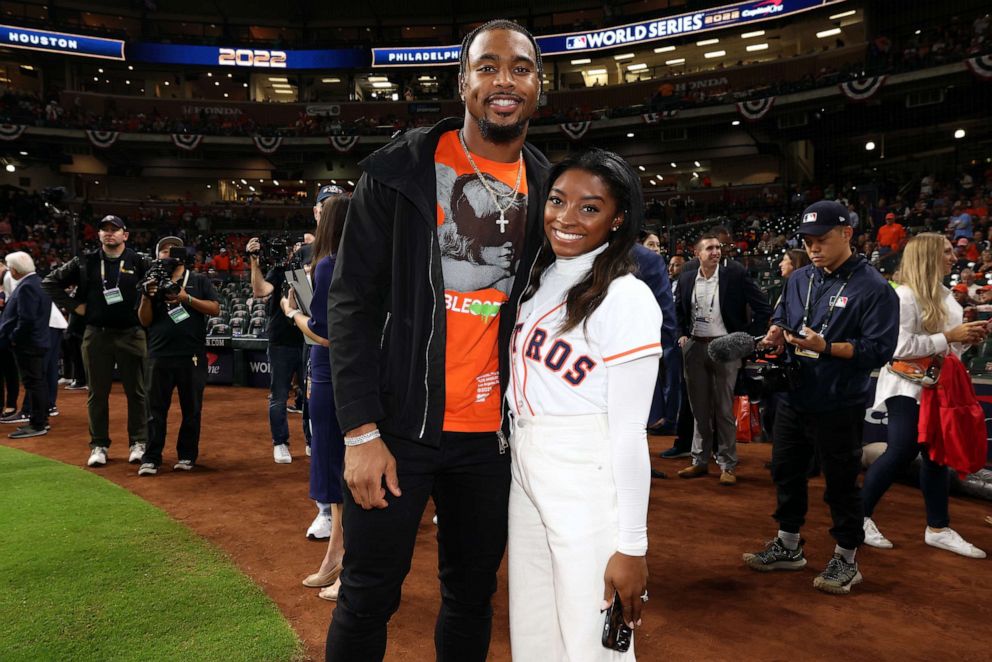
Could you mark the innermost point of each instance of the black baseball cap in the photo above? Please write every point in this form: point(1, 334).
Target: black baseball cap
point(168, 241)
point(822, 217)
point(113, 220)
point(327, 190)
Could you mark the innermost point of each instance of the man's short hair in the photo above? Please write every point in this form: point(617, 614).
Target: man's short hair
point(20, 262)
point(709, 234)
point(499, 24)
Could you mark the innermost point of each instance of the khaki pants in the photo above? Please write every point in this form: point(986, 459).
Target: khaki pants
point(103, 349)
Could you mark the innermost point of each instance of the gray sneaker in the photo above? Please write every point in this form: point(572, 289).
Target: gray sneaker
point(776, 556)
point(183, 465)
point(838, 577)
point(147, 469)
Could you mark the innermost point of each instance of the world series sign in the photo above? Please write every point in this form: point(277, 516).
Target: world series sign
point(668, 27)
point(61, 42)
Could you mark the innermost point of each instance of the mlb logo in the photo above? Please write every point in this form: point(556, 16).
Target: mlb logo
point(839, 302)
point(810, 217)
point(571, 43)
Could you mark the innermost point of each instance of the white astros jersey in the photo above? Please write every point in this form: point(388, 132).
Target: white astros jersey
point(565, 375)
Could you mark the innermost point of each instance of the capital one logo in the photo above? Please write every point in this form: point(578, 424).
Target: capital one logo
point(573, 43)
point(762, 8)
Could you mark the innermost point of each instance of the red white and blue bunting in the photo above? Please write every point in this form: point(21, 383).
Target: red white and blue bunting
point(343, 144)
point(654, 118)
point(575, 130)
point(11, 131)
point(980, 66)
point(863, 88)
point(187, 141)
point(755, 109)
point(102, 139)
point(267, 144)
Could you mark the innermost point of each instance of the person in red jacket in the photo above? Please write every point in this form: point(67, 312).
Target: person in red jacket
point(930, 325)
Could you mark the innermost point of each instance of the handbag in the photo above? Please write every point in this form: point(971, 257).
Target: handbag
point(924, 371)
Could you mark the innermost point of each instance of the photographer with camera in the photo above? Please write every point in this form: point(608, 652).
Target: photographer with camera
point(106, 296)
point(840, 319)
point(175, 305)
point(285, 349)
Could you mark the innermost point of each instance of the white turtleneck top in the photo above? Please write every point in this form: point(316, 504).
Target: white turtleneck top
point(606, 366)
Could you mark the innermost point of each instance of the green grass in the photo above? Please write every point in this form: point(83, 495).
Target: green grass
point(88, 571)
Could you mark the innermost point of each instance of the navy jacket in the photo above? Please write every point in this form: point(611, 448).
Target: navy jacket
point(24, 324)
point(738, 292)
point(651, 270)
point(866, 315)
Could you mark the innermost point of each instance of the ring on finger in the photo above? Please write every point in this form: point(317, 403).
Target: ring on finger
point(644, 596)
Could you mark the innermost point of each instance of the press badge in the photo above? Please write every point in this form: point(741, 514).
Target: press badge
point(178, 314)
point(113, 295)
point(808, 353)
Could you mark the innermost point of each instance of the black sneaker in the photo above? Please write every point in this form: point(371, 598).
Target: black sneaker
point(76, 386)
point(26, 431)
point(673, 453)
point(776, 556)
point(17, 417)
point(838, 577)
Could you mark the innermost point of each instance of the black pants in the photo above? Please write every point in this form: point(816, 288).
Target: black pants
point(834, 437)
point(10, 383)
point(187, 375)
point(74, 359)
point(469, 481)
point(31, 364)
point(686, 424)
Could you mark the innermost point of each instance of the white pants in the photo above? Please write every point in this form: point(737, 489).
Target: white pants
point(563, 531)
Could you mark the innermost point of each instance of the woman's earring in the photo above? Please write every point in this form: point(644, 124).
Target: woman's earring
point(615, 228)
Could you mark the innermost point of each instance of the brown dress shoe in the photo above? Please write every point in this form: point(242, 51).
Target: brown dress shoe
point(728, 478)
point(694, 471)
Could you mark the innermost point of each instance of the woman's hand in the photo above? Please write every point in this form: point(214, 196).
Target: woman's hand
point(627, 576)
point(968, 333)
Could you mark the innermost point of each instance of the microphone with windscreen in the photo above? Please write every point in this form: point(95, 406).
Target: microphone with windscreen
point(733, 347)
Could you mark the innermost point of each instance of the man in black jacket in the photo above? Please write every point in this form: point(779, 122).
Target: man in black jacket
point(24, 330)
point(107, 295)
point(443, 228)
point(713, 300)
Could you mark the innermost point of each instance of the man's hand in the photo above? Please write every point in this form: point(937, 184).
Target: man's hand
point(628, 576)
point(80, 309)
point(811, 340)
point(365, 467)
point(179, 296)
point(253, 247)
point(774, 339)
point(682, 341)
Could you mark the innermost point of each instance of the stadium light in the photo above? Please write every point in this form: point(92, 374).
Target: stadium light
point(351, 183)
point(100, 70)
point(637, 67)
point(10, 167)
point(828, 33)
point(130, 67)
point(243, 181)
point(641, 168)
point(713, 54)
point(230, 76)
point(674, 164)
point(869, 146)
point(664, 49)
point(959, 134)
point(210, 75)
point(275, 182)
point(653, 183)
point(735, 123)
point(23, 153)
point(751, 35)
point(167, 83)
point(623, 56)
point(678, 60)
point(208, 185)
point(697, 164)
point(707, 42)
point(844, 14)
point(583, 60)
point(757, 47)
point(596, 72)
point(630, 135)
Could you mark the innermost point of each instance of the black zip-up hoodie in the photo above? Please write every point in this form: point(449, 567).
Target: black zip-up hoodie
point(386, 309)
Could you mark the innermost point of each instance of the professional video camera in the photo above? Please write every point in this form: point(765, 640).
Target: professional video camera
point(273, 252)
point(765, 372)
point(160, 274)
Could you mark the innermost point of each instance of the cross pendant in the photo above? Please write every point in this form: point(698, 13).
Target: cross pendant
point(502, 222)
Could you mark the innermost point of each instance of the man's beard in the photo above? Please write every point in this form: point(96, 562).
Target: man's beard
point(501, 133)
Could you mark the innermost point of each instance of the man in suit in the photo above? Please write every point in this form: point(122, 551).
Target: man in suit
point(713, 300)
point(24, 330)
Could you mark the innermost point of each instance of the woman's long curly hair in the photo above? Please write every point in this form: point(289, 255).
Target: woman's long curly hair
point(625, 187)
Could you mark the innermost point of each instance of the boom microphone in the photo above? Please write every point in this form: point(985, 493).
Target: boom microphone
point(732, 347)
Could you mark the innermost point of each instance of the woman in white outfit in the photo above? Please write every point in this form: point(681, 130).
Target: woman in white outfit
point(584, 359)
point(930, 323)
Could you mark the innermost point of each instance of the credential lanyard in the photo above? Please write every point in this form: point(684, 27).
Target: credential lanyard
point(695, 296)
point(103, 272)
point(830, 308)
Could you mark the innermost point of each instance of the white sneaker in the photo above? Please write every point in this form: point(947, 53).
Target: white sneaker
point(98, 457)
point(183, 465)
point(308, 450)
point(147, 469)
point(874, 537)
point(952, 541)
point(137, 452)
point(281, 454)
point(320, 529)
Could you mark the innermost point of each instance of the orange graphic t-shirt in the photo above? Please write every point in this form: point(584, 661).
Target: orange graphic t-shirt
point(479, 255)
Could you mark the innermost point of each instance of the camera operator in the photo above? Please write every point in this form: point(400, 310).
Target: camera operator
point(175, 305)
point(106, 296)
point(846, 319)
point(285, 349)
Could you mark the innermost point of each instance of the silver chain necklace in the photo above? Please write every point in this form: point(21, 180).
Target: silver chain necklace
point(502, 222)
